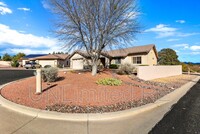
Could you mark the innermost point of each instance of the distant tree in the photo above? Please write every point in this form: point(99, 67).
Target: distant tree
point(168, 57)
point(58, 53)
point(93, 25)
point(7, 57)
point(0, 57)
point(16, 58)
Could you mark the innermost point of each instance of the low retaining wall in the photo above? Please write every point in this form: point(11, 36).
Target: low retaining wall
point(154, 72)
point(5, 63)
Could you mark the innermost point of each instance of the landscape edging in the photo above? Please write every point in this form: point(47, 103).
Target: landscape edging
point(81, 117)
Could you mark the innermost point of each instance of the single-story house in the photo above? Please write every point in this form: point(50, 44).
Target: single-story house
point(138, 55)
point(23, 60)
point(54, 60)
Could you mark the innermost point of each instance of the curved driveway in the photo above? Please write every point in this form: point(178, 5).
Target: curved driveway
point(11, 75)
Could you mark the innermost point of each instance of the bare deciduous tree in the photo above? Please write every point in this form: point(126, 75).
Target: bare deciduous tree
point(93, 25)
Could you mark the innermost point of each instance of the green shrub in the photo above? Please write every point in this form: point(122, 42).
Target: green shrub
point(184, 67)
point(15, 64)
point(49, 74)
point(125, 69)
point(113, 66)
point(109, 81)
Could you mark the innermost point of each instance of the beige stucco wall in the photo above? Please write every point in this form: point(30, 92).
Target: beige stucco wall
point(24, 62)
point(75, 56)
point(85, 61)
point(154, 72)
point(52, 63)
point(148, 59)
point(5, 63)
point(151, 58)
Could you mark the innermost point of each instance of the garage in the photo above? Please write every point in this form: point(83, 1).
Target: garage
point(77, 63)
point(52, 63)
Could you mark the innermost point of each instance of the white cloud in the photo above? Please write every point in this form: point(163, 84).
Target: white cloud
point(161, 28)
point(184, 46)
point(163, 31)
point(195, 48)
point(45, 4)
point(16, 38)
point(32, 51)
point(24, 9)
point(4, 9)
point(2, 4)
point(186, 34)
point(180, 21)
point(170, 40)
point(177, 51)
point(195, 53)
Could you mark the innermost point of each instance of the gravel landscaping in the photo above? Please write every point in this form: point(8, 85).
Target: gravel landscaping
point(77, 92)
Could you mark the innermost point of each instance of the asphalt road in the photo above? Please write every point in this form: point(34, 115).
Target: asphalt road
point(11, 75)
point(184, 118)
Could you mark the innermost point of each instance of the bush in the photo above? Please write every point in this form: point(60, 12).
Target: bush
point(47, 66)
point(184, 67)
point(113, 66)
point(49, 74)
point(125, 69)
point(15, 64)
point(109, 81)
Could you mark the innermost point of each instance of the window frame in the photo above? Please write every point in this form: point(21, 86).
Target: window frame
point(138, 60)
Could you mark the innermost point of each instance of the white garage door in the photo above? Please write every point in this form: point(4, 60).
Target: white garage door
point(47, 62)
point(77, 64)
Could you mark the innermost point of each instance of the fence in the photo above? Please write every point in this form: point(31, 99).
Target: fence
point(154, 72)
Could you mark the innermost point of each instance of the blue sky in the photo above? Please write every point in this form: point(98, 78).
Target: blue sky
point(26, 25)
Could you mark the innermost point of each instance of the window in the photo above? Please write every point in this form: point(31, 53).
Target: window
point(118, 61)
point(137, 60)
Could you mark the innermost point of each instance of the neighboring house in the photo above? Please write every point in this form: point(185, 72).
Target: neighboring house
point(139, 55)
point(25, 59)
point(54, 60)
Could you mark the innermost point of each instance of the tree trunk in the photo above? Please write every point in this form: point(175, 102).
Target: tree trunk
point(94, 68)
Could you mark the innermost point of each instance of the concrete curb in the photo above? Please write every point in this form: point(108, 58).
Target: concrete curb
point(171, 98)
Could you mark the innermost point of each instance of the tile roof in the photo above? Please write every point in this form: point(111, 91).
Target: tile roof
point(132, 50)
point(51, 57)
point(121, 52)
point(33, 56)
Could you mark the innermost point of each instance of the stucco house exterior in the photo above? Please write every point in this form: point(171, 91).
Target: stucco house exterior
point(80, 60)
point(27, 58)
point(138, 55)
point(54, 60)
